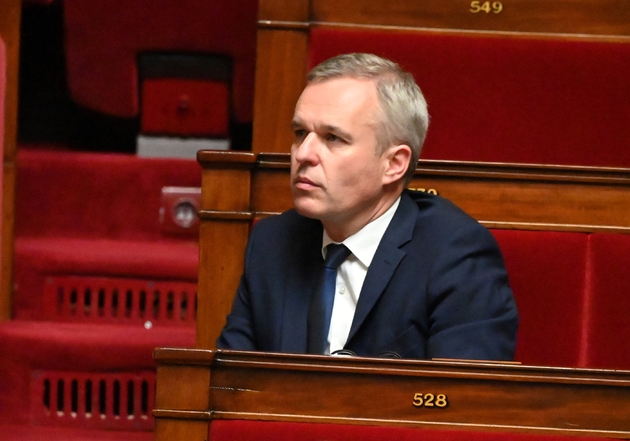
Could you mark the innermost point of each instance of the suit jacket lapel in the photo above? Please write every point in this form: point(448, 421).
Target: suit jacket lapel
point(302, 274)
point(386, 259)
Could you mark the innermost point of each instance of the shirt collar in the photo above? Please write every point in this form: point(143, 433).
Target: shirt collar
point(363, 243)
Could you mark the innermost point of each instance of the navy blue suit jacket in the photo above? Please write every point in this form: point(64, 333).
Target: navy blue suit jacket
point(437, 287)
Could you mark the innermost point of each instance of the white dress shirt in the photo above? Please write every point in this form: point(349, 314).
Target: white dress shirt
point(351, 274)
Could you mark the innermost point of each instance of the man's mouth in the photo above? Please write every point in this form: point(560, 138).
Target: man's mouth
point(304, 183)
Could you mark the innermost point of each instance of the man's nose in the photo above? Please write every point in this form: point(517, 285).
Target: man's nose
point(307, 150)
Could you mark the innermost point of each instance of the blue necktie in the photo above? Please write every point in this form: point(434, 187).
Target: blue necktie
point(321, 307)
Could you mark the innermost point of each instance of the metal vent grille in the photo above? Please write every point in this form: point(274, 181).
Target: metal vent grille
point(120, 300)
point(121, 401)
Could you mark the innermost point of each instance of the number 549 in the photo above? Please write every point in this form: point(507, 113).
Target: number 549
point(486, 7)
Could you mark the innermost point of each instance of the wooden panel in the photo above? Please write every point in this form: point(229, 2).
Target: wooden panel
point(604, 17)
point(529, 197)
point(499, 195)
point(8, 222)
point(222, 247)
point(280, 78)
point(224, 228)
point(10, 16)
point(10, 13)
point(283, 10)
point(274, 182)
point(216, 198)
point(368, 391)
point(171, 429)
point(183, 388)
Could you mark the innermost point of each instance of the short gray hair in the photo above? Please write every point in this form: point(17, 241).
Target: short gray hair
point(404, 118)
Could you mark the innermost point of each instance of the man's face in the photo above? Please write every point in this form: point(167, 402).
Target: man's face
point(336, 176)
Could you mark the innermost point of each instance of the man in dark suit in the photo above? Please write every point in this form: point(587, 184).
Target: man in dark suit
point(417, 277)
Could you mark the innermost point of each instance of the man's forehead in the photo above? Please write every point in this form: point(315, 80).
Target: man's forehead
point(326, 101)
point(359, 85)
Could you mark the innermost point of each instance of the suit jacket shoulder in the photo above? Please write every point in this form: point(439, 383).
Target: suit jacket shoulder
point(437, 287)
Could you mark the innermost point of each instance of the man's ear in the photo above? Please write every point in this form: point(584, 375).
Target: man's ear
point(397, 161)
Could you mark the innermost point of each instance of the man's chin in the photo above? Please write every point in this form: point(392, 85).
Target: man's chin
point(306, 208)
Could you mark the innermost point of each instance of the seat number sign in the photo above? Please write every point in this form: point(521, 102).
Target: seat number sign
point(439, 401)
point(487, 7)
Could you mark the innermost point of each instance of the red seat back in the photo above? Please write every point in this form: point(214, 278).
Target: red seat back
point(520, 99)
point(105, 37)
point(546, 274)
point(607, 309)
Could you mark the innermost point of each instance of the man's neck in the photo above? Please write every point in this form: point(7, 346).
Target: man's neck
point(339, 232)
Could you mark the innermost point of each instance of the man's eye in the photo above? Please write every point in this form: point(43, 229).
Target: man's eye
point(299, 133)
point(333, 138)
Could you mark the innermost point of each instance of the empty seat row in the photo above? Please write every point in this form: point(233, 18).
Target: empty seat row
point(572, 290)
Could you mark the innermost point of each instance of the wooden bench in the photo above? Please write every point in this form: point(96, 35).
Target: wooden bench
point(228, 395)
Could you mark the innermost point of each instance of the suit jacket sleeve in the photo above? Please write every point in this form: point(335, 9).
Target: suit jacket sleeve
point(471, 309)
point(238, 332)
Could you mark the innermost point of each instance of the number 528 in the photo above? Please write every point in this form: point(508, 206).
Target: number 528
point(430, 400)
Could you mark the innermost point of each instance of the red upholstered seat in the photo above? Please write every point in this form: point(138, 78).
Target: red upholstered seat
point(520, 99)
point(93, 214)
point(185, 107)
point(91, 195)
point(546, 274)
point(607, 314)
point(40, 347)
point(104, 38)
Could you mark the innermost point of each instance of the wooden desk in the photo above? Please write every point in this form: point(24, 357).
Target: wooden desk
point(197, 386)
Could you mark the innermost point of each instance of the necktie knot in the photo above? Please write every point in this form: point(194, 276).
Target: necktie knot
point(335, 255)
